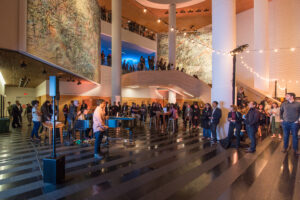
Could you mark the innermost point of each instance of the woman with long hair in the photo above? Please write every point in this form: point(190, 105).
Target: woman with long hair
point(206, 114)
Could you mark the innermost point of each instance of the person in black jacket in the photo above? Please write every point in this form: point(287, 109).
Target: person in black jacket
point(214, 120)
point(251, 121)
point(205, 124)
point(195, 116)
point(235, 122)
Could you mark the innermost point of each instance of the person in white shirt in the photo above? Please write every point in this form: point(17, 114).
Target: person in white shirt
point(36, 118)
point(99, 126)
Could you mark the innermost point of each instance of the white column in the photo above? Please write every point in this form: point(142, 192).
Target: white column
point(172, 35)
point(116, 47)
point(223, 39)
point(172, 97)
point(261, 42)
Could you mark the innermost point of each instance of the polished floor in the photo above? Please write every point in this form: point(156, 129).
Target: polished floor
point(159, 166)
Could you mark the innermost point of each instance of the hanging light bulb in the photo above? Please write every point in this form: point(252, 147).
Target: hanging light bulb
point(145, 10)
point(292, 49)
point(158, 21)
point(275, 50)
point(184, 33)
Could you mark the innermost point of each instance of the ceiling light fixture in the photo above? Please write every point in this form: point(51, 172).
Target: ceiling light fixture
point(44, 71)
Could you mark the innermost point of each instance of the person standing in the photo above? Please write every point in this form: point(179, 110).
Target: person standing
point(240, 96)
point(71, 118)
point(99, 126)
point(214, 120)
point(9, 110)
point(251, 121)
point(83, 106)
point(205, 121)
point(275, 120)
point(235, 122)
point(28, 114)
point(195, 116)
point(187, 114)
point(66, 111)
point(36, 118)
point(20, 110)
point(15, 115)
point(290, 117)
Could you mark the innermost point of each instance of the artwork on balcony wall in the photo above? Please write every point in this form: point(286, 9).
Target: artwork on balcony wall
point(193, 57)
point(66, 33)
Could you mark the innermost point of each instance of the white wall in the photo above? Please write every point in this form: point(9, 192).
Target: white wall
point(284, 32)
point(15, 93)
point(130, 37)
point(41, 89)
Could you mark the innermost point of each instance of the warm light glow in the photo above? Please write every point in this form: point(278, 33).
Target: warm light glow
point(158, 21)
point(292, 49)
point(172, 29)
point(261, 51)
point(2, 81)
point(184, 34)
point(275, 50)
point(247, 51)
point(297, 81)
point(145, 10)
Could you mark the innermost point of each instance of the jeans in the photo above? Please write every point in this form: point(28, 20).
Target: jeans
point(237, 132)
point(289, 127)
point(70, 127)
point(213, 128)
point(251, 130)
point(98, 140)
point(35, 130)
point(206, 133)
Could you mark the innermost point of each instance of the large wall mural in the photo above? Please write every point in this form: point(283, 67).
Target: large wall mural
point(191, 52)
point(66, 33)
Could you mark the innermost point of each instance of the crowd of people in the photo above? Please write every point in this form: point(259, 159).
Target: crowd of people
point(247, 117)
point(106, 15)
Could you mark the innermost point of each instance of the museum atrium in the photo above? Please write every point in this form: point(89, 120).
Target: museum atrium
point(149, 99)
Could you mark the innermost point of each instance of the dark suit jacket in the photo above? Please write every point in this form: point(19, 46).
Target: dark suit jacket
point(238, 120)
point(216, 116)
point(252, 117)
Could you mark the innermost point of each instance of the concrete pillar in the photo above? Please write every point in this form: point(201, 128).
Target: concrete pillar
point(172, 35)
point(116, 47)
point(172, 97)
point(223, 39)
point(261, 42)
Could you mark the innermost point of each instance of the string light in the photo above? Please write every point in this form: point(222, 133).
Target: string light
point(145, 10)
point(172, 29)
point(158, 21)
point(275, 50)
point(292, 49)
point(261, 51)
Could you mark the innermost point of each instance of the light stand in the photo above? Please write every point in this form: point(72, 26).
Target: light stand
point(53, 166)
point(234, 52)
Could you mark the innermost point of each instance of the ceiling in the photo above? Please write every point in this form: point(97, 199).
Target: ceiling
point(187, 18)
point(10, 67)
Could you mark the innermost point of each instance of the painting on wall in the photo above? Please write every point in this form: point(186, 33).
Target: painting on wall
point(191, 52)
point(66, 33)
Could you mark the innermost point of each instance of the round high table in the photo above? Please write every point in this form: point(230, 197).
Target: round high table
point(49, 126)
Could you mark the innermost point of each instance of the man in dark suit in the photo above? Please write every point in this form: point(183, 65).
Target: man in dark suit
point(214, 121)
point(235, 122)
point(251, 120)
